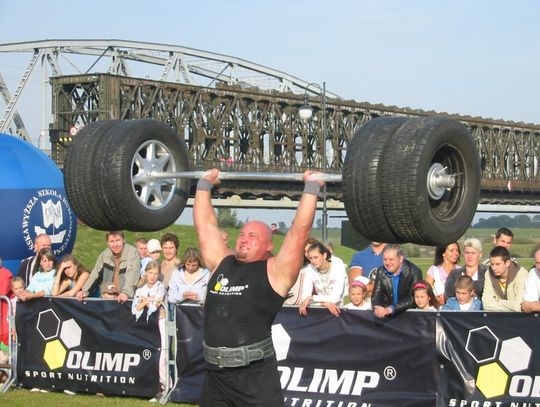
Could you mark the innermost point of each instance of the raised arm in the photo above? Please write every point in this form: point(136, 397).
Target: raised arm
point(211, 244)
point(283, 268)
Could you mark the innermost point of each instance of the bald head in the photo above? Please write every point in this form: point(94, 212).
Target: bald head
point(42, 241)
point(254, 242)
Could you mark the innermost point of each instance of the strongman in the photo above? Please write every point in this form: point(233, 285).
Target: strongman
point(247, 288)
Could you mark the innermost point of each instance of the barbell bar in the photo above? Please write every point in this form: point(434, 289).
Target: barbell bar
point(246, 176)
point(438, 179)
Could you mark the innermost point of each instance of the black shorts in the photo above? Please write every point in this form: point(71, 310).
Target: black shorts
point(255, 385)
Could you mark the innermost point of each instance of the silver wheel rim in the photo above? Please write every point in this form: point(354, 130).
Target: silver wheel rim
point(151, 157)
point(439, 181)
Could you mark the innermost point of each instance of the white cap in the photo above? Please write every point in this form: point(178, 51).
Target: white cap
point(153, 245)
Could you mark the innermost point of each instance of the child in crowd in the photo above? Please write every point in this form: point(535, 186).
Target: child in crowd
point(70, 277)
point(17, 288)
point(150, 295)
point(424, 298)
point(140, 245)
point(465, 299)
point(358, 296)
point(42, 282)
point(153, 249)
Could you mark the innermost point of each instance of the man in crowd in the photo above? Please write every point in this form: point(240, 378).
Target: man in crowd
point(394, 281)
point(503, 238)
point(246, 290)
point(365, 263)
point(28, 266)
point(117, 269)
point(531, 297)
point(504, 282)
point(141, 244)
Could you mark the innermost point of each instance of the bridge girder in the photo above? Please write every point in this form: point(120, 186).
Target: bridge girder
point(239, 115)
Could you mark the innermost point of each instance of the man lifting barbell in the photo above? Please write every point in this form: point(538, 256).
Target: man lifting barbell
point(247, 289)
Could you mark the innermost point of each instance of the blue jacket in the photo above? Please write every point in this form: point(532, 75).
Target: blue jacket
point(453, 305)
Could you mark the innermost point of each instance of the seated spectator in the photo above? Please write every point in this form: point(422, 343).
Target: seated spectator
point(42, 282)
point(325, 281)
point(294, 297)
point(358, 296)
point(116, 270)
point(424, 297)
point(465, 298)
point(140, 245)
point(70, 277)
point(29, 266)
point(504, 284)
point(189, 283)
point(531, 296)
point(169, 245)
point(394, 281)
point(472, 254)
point(153, 252)
point(446, 260)
point(150, 295)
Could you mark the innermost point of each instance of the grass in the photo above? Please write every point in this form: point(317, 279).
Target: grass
point(91, 242)
point(25, 398)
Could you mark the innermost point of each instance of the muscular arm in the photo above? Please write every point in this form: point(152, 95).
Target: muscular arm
point(213, 248)
point(283, 268)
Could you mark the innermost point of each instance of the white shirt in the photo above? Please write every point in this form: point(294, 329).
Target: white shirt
point(328, 287)
point(532, 286)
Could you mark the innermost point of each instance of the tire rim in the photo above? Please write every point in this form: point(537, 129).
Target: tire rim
point(153, 156)
point(445, 188)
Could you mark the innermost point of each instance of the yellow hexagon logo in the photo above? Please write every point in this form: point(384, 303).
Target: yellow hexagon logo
point(55, 354)
point(492, 380)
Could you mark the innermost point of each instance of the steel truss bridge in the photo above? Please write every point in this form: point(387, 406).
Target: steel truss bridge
point(239, 116)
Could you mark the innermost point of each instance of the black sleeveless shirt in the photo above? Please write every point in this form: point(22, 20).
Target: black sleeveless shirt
point(240, 304)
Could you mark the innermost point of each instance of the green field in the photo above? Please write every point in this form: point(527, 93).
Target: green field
point(25, 398)
point(90, 242)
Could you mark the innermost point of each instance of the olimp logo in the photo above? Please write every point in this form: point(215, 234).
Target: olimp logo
point(325, 382)
point(500, 362)
point(48, 211)
point(61, 340)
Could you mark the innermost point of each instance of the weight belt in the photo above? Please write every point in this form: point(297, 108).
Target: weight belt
point(240, 356)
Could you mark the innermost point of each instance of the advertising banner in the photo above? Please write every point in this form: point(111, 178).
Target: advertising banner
point(490, 359)
point(352, 360)
point(91, 346)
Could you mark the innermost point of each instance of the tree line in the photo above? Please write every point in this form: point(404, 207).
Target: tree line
point(518, 221)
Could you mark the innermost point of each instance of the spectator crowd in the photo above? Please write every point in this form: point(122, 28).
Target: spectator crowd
point(379, 278)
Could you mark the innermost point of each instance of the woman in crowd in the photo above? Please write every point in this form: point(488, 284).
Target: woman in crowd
point(294, 293)
point(325, 278)
point(169, 246)
point(190, 281)
point(446, 260)
point(472, 255)
point(42, 282)
point(70, 277)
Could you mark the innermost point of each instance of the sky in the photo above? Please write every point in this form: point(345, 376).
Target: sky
point(478, 58)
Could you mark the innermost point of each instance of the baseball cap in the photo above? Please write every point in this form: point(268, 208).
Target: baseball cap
point(153, 245)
